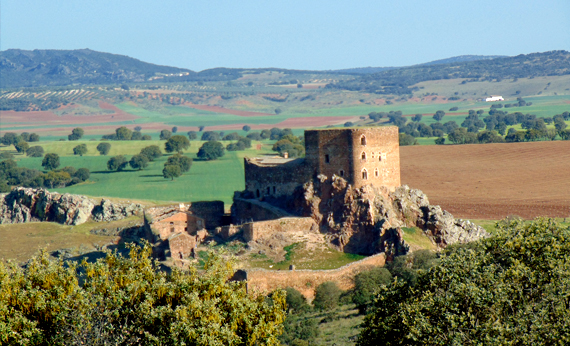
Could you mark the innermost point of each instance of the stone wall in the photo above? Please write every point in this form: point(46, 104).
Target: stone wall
point(249, 210)
point(266, 180)
point(211, 211)
point(256, 230)
point(305, 281)
point(177, 223)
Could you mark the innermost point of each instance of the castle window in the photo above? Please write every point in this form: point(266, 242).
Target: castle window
point(379, 156)
point(376, 173)
point(268, 190)
point(372, 154)
point(274, 190)
point(363, 156)
point(363, 140)
point(364, 174)
point(327, 158)
point(257, 193)
point(341, 173)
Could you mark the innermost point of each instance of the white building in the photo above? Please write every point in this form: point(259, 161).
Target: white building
point(494, 98)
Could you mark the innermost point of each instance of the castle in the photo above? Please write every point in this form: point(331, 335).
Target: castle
point(361, 156)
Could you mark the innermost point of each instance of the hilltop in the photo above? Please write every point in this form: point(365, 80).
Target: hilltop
point(24, 68)
point(399, 81)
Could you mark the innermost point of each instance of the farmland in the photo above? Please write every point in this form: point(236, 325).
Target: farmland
point(492, 181)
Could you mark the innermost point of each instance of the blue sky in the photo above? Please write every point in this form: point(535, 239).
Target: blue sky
point(292, 34)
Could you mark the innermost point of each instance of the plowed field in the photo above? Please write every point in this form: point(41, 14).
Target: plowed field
point(492, 181)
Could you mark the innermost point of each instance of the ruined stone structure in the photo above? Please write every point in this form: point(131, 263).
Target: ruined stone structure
point(305, 281)
point(253, 231)
point(360, 156)
point(174, 231)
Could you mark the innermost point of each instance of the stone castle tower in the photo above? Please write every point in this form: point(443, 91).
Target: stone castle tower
point(361, 156)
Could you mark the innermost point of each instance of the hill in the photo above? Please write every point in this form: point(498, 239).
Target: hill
point(400, 81)
point(24, 68)
point(461, 58)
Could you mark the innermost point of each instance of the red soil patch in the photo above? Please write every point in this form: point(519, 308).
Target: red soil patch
point(47, 118)
point(492, 181)
point(217, 109)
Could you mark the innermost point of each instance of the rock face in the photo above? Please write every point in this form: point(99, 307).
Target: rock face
point(28, 205)
point(369, 220)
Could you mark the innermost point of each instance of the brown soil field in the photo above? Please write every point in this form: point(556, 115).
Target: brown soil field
point(217, 109)
point(492, 181)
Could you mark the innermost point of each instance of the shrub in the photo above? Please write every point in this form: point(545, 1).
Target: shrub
point(165, 134)
point(152, 152)
point(82, 174)
point(326, 296)
point(21, 146)
point(296, 302)
point(117, 163)
point(365, 283)
point(80, 150)
point(176, 143)
point(50, 161)
point(138, 161)
point(211, 150)
point(76, 134)
point(35, 151)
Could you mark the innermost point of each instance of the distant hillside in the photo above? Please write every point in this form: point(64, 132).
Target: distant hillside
point(461, 58)
point(24, 68)
point(398, 81)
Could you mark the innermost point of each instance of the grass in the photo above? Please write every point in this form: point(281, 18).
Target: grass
point(416, 239)
point(297, 254)
point(21, 241)
point(341, 330)
point(206, 180)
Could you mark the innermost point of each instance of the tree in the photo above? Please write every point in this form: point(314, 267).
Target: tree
point(246, 128)
point(123, 134)
point(201, 128)
point(50, 161)
point(192, 135)
point(25, 136)
point(82, 174)
point(152, 152)
point(76, 134)
point(80, 150)
point(184, 162)
point(171, 172)
point(4, 155)
point(176, 143)
point(56, 179)
point(438, 115)
point(10, 138)
point(22, 146)
point(406, 139)
point(417, 118)
point(210, 136)
point(136, 136)
point(254, 136)
point(35, 151)
point(120, 300)
point(231, 137)
point(34, 137)
point(365, 283)
point(139, 162)
point(165, 134)
point(138, 128)
point(348, 124)
point(265, 134)
point(506, 289)
point(440, 141)
point(326, 296)
point(278, 111)
point(174, 129)
point(103, 148)
point(296, 302)
point(146, 137)
point(211, 150)
point(117, 163)
point(299, 85)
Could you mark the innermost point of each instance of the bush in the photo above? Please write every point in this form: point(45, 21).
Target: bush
point(184, 162)
point(8, 156)
point(256, 136)
point(296, 302)
point(210, 136)
point(21, 146)
point(50, 161)
point(138, 161)
point(171, 172)
point(365, 284)
point(123, 134)
point(440, 141)
point(176, 143)
point(326, 296)
point(165, 134)
point(76, 134)
point(348, 124)
point(55, 302)
point(509, 286)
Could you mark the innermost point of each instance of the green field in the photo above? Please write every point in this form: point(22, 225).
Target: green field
point(206, 180)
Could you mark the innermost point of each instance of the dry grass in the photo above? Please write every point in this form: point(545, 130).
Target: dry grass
point(19, 242)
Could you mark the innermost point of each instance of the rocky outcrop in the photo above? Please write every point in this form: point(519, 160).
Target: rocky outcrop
point(28, 205)
point(109, 211)
point(369, 220)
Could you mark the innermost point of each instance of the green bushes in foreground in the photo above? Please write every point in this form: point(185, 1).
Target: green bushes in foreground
point(511, 289)
point(129, 301)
